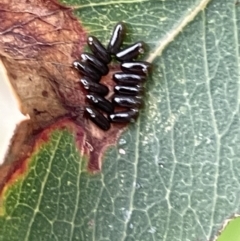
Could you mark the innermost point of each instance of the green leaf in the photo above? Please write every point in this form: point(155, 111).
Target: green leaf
point(174, 175)
point(42, 201)
point(231, 231)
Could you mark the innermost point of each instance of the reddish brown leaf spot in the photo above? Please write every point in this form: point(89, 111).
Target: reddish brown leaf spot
point(44, 93)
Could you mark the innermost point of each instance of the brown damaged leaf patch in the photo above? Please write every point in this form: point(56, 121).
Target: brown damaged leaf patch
point(38, 42)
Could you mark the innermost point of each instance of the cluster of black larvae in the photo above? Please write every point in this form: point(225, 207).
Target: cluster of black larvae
point(128, 90)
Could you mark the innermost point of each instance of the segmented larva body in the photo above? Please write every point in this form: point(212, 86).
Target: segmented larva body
point(128, 91)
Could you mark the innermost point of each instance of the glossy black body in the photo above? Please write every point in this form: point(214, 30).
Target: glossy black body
point(98, 118)
point(98, 50)
point(137, 67)
point(128, 90)
point(128, 78)
point(100, 102)
point(131, 52)
point(116, 38)
point(87, 70)
point(124, 116)
point(95, 62)
point(94, 87)
point(127, 101)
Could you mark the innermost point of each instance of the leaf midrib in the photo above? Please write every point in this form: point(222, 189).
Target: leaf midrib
point(177, 28)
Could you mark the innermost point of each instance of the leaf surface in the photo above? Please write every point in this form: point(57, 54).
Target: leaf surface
point(174, 175)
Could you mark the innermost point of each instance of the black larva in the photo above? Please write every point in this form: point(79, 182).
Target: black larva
point(124, 116)
point(137, 67)
point(127, 101)
point(97, 117)
point(128, 89)
point(100, 102)
point(94, 87)
point(128, 79)
point(93, 60)
point(131, 52)
point(87, 70)
point(116, 38)
point(99, 51)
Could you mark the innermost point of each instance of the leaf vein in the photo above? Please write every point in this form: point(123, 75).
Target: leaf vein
point(214, 125)
point(78, 192)
point(173, 153)
point(107, 3)
point(169, 37)
point(135, 174)
point(42, 188)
